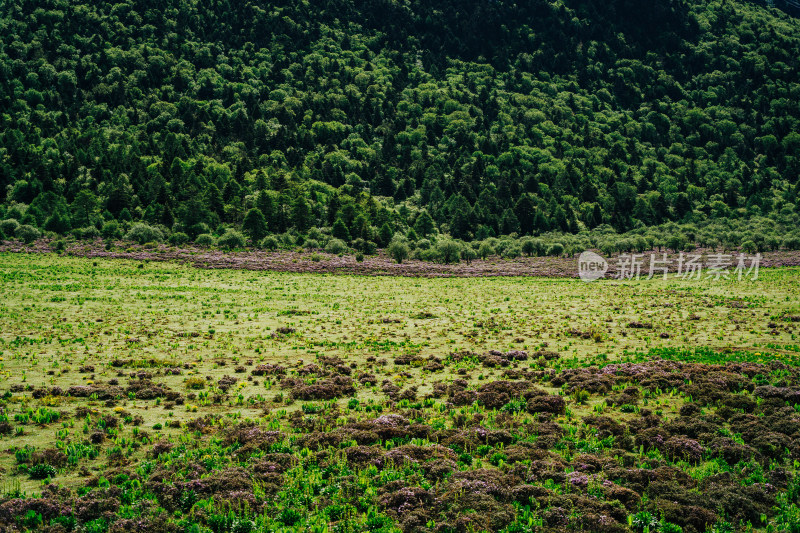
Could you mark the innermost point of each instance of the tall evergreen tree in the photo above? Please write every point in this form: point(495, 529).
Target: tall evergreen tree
point(340, 230)
point(255, 225)
point(424, 224)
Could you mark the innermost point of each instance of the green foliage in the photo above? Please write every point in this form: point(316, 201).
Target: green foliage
point(385, 234)
point(580, 396)
point(514, 406)
point(111, 230)
point(88, 233)
point(205, 239)
point(27, 233)
point(336, 246)
point(398, 251)
point(56, 223)
point(792, 242)
point(514, 120)
point(58, 245)
point(178, 238)
point(340, 231)
point(255, 225)
point(485, 250)
point(231, 240)
point(269, 243)
point(143, 233)
point(556, 249)
point(531, 247)
point(31, 520)
point(677, 242)
point(41, 471)
point(424, 225)
point(511, 252)
point(468, 254)
point(449, 251)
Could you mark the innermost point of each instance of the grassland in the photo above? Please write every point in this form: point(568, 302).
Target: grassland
point(154, 396)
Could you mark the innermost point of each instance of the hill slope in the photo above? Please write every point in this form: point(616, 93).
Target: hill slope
point(492, 117)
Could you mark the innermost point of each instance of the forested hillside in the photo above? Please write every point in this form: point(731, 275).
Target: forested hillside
point(369, 118)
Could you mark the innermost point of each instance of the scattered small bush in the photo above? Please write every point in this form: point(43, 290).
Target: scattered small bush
point(449, 251)
point(749, 247)
point(9, 226)
point(88, 233)
point(398, 251)
point(555, 250)
point(231, 240)
point(27, 233)
point(336, 247)
point(143, 233)
point(204, 239)
point(111, 230)
point(178, 238)
point(485, 250)
point(269, 243)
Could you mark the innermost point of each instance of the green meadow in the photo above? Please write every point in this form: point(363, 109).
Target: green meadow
point(230, 400)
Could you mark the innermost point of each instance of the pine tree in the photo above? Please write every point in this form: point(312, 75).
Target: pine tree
point(384, 185)
point(340, 231)
point(333, 208)
point(265, 204)
point(167, 217)
point(386, 233)
point(255, 225)
point(510, 223)
point(524, 210)
point(213, 200)
point(424, 225)
point(57, 224)
point(301, 214)
point(120, 196)
point(540, 222)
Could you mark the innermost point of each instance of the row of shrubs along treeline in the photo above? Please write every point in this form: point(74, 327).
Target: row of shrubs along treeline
point(749, 236)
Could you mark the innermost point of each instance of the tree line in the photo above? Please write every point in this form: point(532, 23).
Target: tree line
point(374, 119)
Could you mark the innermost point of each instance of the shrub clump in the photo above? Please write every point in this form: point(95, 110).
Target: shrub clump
point(204, 239)
point(27, 233)
point(232, 239)
point(325, 389)
point(336, 247)
point(547, 403)
point(178, 238)
point(143, 233)
point(9, 226)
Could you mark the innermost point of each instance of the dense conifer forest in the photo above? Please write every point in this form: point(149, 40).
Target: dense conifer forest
point(353, 123)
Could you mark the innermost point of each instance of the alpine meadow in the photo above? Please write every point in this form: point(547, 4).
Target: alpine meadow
point(400, 266)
